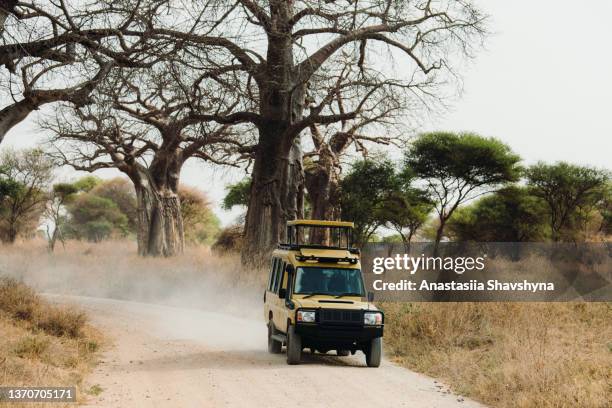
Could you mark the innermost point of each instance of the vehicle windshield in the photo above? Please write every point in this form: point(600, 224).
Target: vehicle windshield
point(328, 281)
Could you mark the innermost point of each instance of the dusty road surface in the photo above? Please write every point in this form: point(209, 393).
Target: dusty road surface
point(173, 357)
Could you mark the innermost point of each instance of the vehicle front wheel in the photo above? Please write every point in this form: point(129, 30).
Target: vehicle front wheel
point(374, 352)
point(294, 346)
point(274, 346)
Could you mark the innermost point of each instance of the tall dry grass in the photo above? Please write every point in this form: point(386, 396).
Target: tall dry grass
point(509, 354)
point(42, 344)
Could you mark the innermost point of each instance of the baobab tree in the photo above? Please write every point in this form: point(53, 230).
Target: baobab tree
point(278, 46)
point(382, 115)
point(52, 51)
point(147, 124)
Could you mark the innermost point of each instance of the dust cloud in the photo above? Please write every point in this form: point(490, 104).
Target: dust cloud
point(197, 280)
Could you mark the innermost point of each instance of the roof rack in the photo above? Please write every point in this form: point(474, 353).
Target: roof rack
point(321, 223)
point(297, 247)
point(327, 259)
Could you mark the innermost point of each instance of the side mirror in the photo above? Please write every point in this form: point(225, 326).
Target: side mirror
point(282, 292)
point(370, 296)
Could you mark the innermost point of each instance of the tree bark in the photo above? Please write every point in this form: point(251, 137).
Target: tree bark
point(439, 235)
point(322, 185)
point(276, 196)
point(11, 233)
point(13, 115)
point(6, 7)
point(160, 223)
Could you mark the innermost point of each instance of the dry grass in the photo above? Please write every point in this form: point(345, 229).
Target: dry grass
point(509, 354)
point(42, 344)
point(21, 303)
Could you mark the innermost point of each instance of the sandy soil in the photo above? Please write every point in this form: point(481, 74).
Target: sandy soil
point(173, 357)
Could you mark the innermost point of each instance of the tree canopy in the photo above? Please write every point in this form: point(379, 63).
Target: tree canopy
point(570, 191)
point(511, 214)
point(237, 194)
point(457, 168)
point(362, 192)
point(24, 177)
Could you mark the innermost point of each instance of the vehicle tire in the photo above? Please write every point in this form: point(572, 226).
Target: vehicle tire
point(294, 346)
point(274, 346)
point(343, 353)
point(374, 352)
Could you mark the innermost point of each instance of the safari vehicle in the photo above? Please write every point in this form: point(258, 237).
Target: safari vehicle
point(316, 297)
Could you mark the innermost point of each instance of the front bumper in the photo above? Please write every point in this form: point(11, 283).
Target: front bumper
point(336, 335)
point(338, 329)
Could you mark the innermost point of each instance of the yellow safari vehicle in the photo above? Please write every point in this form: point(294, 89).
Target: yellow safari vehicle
point(316, 297)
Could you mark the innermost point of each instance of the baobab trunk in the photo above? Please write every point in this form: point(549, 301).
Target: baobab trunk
point(276, 194)
point(323, 189)
point(323, 193)
point(160, 222)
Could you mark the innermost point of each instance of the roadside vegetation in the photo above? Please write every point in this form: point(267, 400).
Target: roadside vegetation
point(42, 343)
point(508, 354)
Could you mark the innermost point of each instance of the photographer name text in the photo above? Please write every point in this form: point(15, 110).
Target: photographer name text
point(472, 285)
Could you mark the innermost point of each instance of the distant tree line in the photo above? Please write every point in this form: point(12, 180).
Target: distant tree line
point(465, 187)
point(89, 208)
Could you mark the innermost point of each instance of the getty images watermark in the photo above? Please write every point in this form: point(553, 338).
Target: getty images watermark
point(489, 272)
point(458, 265)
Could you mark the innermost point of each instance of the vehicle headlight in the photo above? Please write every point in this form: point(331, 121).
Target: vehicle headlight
point(372, 318)
point(306, 316)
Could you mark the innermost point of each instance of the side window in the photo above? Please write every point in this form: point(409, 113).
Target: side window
point(272, 274)
point(279, 274)
point(284, 276)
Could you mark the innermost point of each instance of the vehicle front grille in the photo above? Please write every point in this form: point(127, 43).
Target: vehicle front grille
point(335, 316)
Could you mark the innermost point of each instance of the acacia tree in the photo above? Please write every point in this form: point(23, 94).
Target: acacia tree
point(570, 192)
point(511, 214)
point(60, 195)
point(276, 47)
point(52, 51)
point(147, 124)
point(457, 168)
point(363, 191)
point(24, 176)
point(405, 210)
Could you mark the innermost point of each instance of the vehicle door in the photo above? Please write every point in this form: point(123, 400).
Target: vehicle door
point(280, 310)
point(268, 293)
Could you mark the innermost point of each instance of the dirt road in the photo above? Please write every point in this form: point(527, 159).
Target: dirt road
point(173, 357)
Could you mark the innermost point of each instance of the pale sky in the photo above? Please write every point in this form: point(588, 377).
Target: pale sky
point(543, 85)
